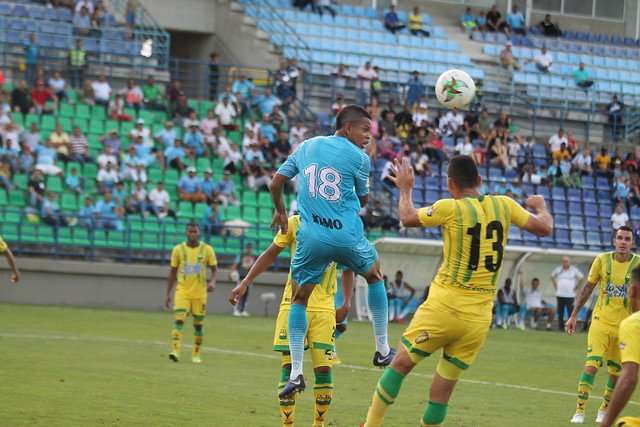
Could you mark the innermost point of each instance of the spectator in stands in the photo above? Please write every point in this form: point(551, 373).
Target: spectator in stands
point(40, 96)
point(152, 95)
point(107, 177)
point(468, 21)
point(543, 60)
point(159, 199)
point(174, 93)
point(507, 59)
point(25, 160)
point(58, 85)
point(615, 112)
point(5, 174)
point(403, 301)
point(232, 159)
point(297, 134)
point(415, 23)
point(267, 129)
point(548, 28)
point(211, 223)
point(84, 3)
point(133, 167)
point(140, 130)
point(50, 212)
point(79, 146)
point(108, 214)
point(556, 141)
point(494, 20)
point(194, 141)
point(566, 279)
point(133, 96)
point(282, 148)
point(174, 156)
point(242, 88)
point(105, 157)
point(452, 122)
point(131, 13)
point(21, 98)
point(582, 77)
point(87, 95)
point(497, 152)
point(516, 22)
point(77, 64)
point(87, 214)
point(189, 189)
point(583, 162)
point(391, 20)
point(226, 112)
point(167, 136)
point(536, 306)
point(415, 89)
point(208, 186)
point(603, 162)
point(36, 188)
point(101, 91)
point(46, 160)
point(507, 304)
point(208, 125)
point(112, 140)
point(258, 177)
point(481, 21)
point(74, 182)
point(82, 22)
point(339, 79)
point(561, 155)
point(99, 16)
point(267, 102)
point(214, 75)
point(227, 190)
point(621, 190)
point(619, 217)
point(32, 137)
point(31, 57)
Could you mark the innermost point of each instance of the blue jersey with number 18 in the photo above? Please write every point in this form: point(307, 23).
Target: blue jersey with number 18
point(332, 173)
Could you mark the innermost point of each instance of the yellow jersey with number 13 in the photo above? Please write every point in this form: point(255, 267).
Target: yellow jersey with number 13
point(475, 232)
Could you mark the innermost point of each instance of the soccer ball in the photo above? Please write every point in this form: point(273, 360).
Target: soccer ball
point(455, 89)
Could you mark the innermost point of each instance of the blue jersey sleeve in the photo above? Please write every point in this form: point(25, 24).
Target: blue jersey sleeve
point(290, 167)
point(362, 177)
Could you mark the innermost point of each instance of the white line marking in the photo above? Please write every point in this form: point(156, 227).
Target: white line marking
point(274, 357)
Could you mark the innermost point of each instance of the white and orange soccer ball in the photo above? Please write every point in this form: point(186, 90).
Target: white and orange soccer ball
point(455, 89)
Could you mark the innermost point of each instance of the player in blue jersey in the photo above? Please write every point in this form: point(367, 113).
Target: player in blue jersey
point(333, 183)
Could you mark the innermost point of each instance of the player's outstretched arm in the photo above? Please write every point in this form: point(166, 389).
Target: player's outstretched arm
point(622, 393)
point(171, 281)
point(348, 277)
point(582, 299)
point(280, 219)
point(264, 261)
point(540, 222)
point(404, 179)
point(11, 260)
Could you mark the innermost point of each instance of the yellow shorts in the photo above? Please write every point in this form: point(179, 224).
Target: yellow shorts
point(628, 422)
point(460, 341)
point(321, 332)
point(197, 307)
point(603, 346)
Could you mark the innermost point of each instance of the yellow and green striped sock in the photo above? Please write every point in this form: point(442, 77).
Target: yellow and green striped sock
point(386, 392)
point(176, 336)
point(584, 388)
point(606, 397)
point(287, 405)
point(323, 391)
point(198, 333)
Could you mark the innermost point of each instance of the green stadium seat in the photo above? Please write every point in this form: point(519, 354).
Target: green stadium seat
point(69, 202)
point(135, 239)
point(152, 241)
point(46, 234)
point(65, 236)
point(265, 215)
point(48, 123)
point(17, 199)
point(264, 200)
point(193, 103)
point(249, 199)
point(81, 237)
point(232, 212)
point(31, 118)
point(185, 210)
point(109, 125)
point(82, 123)
point(151, 225)
point(202, 164)
point(54, 183)
point(147, 116)
point(160, 117)
point(18, 119)
point(200, 210)
point(117, 239)
point(171, 177)
point(125, 128)
point(96, 127)
point(3, 198)
point(9, 231)
point(12, 215)
point(98, 113)
point(154, 173)
point(71, 165)
point(66, 124)
point(90, 171)
point(82, 111)
point(250, 213)
point(100, 238)
point(136, 224)
point(28, 232)
point(205, 106)
point(265, 233)
point(66, 110)
point(235, 137)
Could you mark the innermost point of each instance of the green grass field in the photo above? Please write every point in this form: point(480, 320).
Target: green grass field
point(78, 367)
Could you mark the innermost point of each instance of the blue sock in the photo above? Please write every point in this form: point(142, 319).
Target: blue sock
point(379, 310)
point(297, 331)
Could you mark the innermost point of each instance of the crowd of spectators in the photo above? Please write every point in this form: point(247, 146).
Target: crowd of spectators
point(513, 23)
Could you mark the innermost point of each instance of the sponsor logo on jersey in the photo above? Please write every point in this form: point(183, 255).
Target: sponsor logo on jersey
point(615, 291)
point(430, 211)
point(423, 337)
point(327, 222)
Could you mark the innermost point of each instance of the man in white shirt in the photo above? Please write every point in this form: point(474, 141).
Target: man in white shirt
point(543, 60)
point(583, 162)
point(84, 3)
point(142, 131)
point(366, 74)
point(107, 177)
point(106, 157)
point(464, 147)
point(619, 217)
point(537, 306)
point(101, 91)
point(159, 199)
point(226, 112)
point(556, 141)
point(452, 122)
point(566, 279)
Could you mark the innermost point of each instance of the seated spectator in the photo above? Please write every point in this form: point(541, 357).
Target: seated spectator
point(420, 117)
point(415, 23)
point(167, 136)
point(21, 98)
point(82, 22)
point(556, 141)
point(207, 127)
point(208, 186)
point(79, 146)
point(11, 136)
point(603, 162)
point(468, 21)
point(281, 149)
point(46, 160)
point(402, 302)
point(227, 190)
point(249, 138)
point(153, 95)
point(88, 4)
point(320, 5)
point(516, 21)
point(87, 214)
point(543, 60)
point(267, 129)
point(116, 109)
point(507, 304)
point(86, 95)
point(174, 156)
point(173, 94)
point(60, 141)
point(101, 91)
point(5, 175)
point(99, 16)
point(583, 162)
point(497, 152)
point(582, 78)
point(536, 306)
point(435, 147)
point(137, 201)
point(226, 112)
point(415, 89)
point(221, 143)
point(50, 212)
point(559, 173)
point(615, 112)
point(267, 102)
point(507, 59)
point(74, 182)
point(621, 190)
point(452, 122)
point(297, 134)
point(32, 137)
point(58, 85)
point(190, 120)
point(133, 167)
point(133, 96)
point(391, 20)
point(112, 141)
point(232, 159)
point(563, 154)
point(242, 88)
point(494, 20)
point(513, 151)
point(107, 177)
point(548, 28)
point(464, 147)
point(194, 141)
point(25, 160)
point(481, 21)
point(189, 188)
point(106, 156)
point(619, 217)
point(211, 222)
point(140, 130)
point(160, 200)
point(36, 188)
point(40, 95)
point(258, 177)
point(107, 214)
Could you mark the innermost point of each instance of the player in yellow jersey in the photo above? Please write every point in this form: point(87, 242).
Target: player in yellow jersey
point(611, 272)
point(629, 337)
point(457, 314)
point(189, 262)
point(321, 330)
point(11, 260)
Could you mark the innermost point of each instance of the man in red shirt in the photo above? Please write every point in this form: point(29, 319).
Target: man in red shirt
point(40, 95)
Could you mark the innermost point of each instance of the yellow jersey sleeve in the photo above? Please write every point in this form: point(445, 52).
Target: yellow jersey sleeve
point(594, 273)
point(282, 240)
point(629, 337)
point(3, 245)
point(437, 214)
point(175, 257)
point(519, 215)
point(212, 261)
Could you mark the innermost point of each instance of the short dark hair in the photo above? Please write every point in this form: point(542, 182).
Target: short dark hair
point(624, 228)
point(193, 225)
point(464, 172)
point(351, 113)
point(535, 279)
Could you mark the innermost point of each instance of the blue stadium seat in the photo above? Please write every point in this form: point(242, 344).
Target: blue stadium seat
point(576, 222)
point(561, 221)
point(577, 239)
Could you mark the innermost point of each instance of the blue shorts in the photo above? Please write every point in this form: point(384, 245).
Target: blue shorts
point(313, 256)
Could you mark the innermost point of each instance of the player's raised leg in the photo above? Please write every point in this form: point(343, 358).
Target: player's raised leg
point(379, 310)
